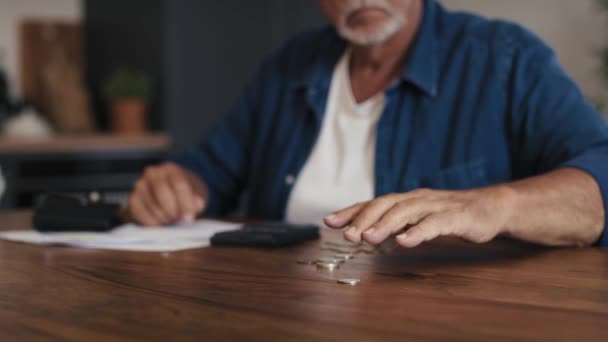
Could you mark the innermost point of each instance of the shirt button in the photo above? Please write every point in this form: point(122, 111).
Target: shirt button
point(290, 179)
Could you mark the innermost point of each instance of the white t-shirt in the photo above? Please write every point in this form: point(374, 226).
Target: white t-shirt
point(340, 170)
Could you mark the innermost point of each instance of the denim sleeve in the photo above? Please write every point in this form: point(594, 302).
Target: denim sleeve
point(222, 156)
point(552, 125)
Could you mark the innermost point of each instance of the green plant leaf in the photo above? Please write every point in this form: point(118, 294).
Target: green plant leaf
point(128, 83)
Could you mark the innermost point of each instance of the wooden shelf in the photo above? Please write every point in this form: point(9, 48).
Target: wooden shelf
point(76, 164)
point(85, 143)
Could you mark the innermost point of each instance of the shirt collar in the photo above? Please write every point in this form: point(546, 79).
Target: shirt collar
point(421, 69)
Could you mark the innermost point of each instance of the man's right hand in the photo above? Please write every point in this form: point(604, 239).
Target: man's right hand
point(166, 194)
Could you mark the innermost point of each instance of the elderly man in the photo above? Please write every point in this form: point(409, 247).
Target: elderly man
point(419, 121)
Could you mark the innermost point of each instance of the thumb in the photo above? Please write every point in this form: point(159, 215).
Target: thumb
point(199, 203)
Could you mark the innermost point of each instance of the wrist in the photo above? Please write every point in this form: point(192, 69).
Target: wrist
point(507, 206)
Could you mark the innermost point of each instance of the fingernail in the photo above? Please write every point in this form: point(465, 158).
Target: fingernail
point(331, 217)
point(402, 236)
point(370, 231)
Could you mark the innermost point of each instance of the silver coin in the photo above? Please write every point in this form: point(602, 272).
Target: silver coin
point(365, 246)
point(364, 251)
point(349, 281)
point(343, 256)
point(327, 260)
point(329, 266)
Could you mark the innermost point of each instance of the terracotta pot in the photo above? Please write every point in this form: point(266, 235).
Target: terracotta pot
point(129, 116)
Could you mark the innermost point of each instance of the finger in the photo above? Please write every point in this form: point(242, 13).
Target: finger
point(402, 214)
point(369, 215)
point(194, 185)
point(164, 197)
point(342, 217)
point(186, 199)
point(140, 213)
point(200, 192)
point(198, 186)
point(143, 193)
point(199, 206)
point(428, 229)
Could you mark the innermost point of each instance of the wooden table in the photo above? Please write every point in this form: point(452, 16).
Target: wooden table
point(446, 290)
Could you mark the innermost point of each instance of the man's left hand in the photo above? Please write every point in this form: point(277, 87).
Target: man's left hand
point(422, 215)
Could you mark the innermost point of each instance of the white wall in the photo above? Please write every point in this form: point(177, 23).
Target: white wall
point(11, 13)
point(574, 28)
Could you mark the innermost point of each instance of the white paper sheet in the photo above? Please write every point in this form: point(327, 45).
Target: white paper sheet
point(130, 237)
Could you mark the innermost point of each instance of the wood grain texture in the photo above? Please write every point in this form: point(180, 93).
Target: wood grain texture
point(446, 290)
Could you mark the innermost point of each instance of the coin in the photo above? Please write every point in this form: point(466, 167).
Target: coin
point(365, 246)
point(327, 260)
point(349, 281)
point(329, 266)
point(344, 256)
point(364, 251)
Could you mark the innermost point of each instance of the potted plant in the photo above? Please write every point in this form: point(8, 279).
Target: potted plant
point(128, 92)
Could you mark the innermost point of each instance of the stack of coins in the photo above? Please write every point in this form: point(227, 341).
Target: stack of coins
point(344, 251)
point(329, 266)
point(349, 248)
point(343, 257)
point(349, 281)
point(327, 263)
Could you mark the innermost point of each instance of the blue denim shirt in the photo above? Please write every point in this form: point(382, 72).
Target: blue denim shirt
point(478, 102)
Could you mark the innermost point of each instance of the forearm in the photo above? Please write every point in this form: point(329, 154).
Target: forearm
point(561, 208)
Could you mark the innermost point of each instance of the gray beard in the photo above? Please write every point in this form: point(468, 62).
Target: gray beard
point(376, 37)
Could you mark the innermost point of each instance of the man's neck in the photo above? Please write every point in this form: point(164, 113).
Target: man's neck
point(381, 64)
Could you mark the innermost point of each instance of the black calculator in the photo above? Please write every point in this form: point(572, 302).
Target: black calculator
point(268, 235)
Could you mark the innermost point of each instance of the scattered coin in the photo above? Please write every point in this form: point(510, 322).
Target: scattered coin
point(344, 256)
point(329, 266)
point(365, 246)
point(327, 260)
point(349, 281)
point(365, 251)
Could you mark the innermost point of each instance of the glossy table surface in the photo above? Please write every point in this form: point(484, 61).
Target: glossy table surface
point(445, 290)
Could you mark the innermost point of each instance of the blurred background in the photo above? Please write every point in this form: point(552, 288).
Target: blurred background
point(91, 91)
